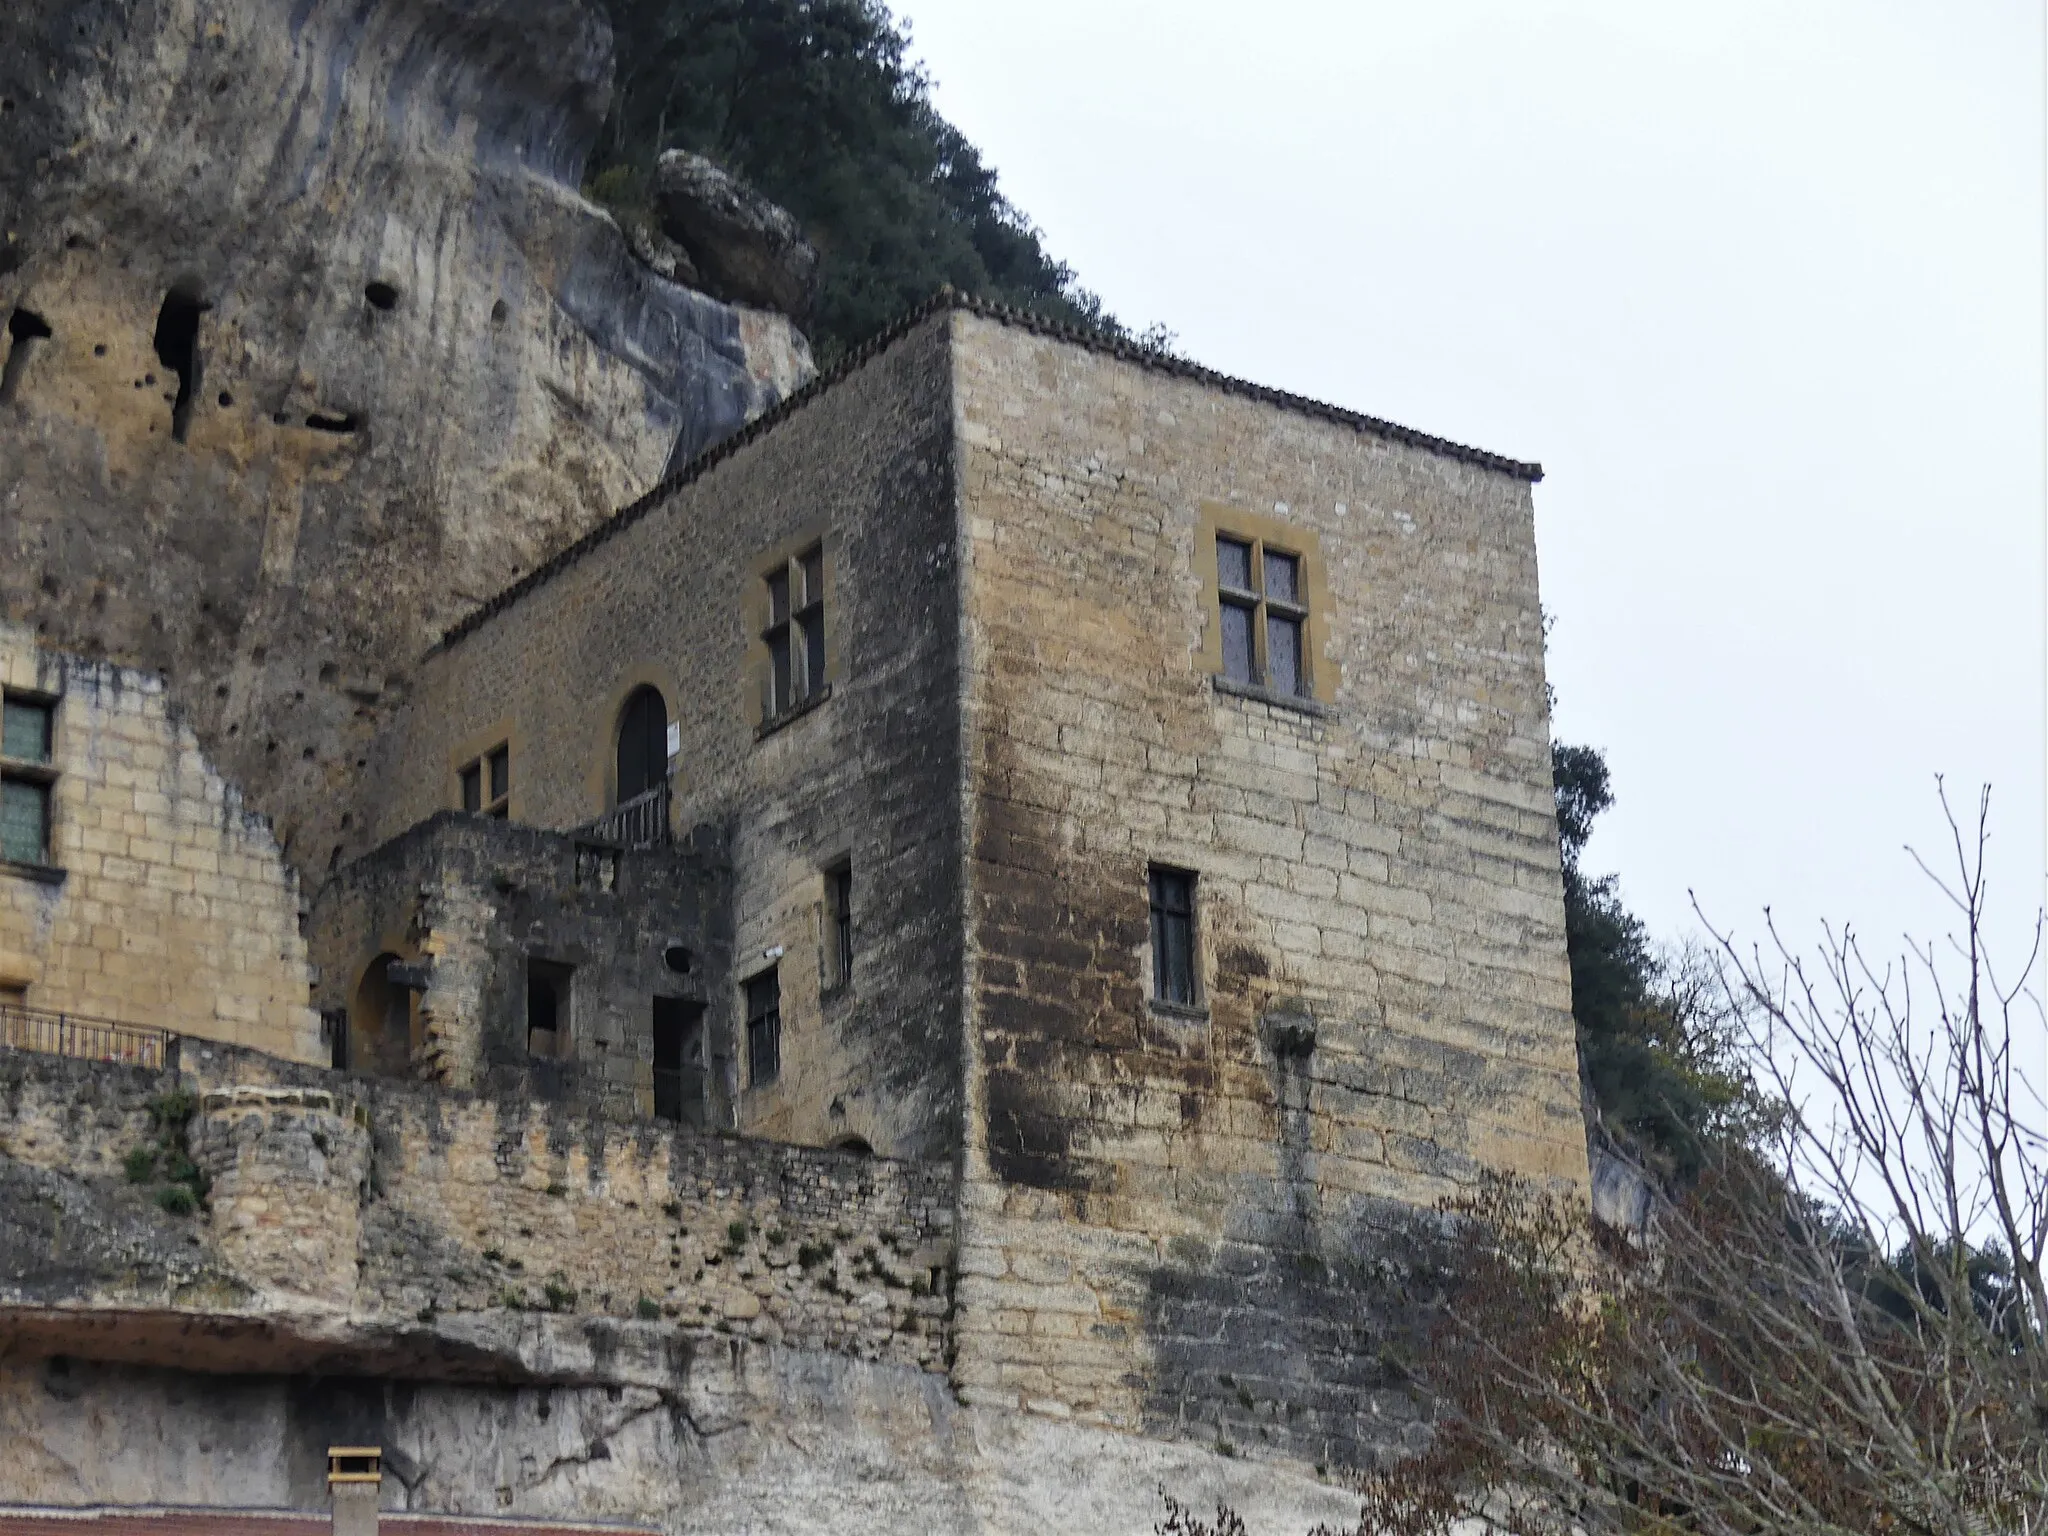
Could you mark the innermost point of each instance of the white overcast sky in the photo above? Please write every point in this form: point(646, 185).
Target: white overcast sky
point(1760, 284)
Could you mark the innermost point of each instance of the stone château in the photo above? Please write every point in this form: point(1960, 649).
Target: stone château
point(1025, 866)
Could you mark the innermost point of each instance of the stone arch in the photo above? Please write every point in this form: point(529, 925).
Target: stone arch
point(383, 1021)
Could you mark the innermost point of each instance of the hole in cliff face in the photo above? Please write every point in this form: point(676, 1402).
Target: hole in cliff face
point(381, 295)
point(226, 399)
point(329, 421)
point(499, 313)
point(24, 329)
point(177, 348)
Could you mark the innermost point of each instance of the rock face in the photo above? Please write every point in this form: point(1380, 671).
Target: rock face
point(313, 344)
point(747, 249)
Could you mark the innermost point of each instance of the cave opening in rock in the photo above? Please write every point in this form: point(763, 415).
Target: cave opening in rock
point(330, 421)
point(24, 329)
point(177, 348)
point(381, 295)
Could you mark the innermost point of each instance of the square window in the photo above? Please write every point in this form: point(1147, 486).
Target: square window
point(24, 821)
point(1263, 615)
point(486, 783)
point(1173, 935)
point(764, 1029)
point(25, 731)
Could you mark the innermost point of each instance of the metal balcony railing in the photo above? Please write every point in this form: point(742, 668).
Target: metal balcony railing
point(641, 822)
point(71, 1034)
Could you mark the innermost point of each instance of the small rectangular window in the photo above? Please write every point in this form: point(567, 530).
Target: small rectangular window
point(486, 783)
point(1234, 565)
point(25, 731)
point(1263, 615)
point(1173, 935)
point(839, 921)
point(764, 1029)
point(1238, 663)
point(25, 788)
point(795, 634)
point(24, 821)
point(1283, 654)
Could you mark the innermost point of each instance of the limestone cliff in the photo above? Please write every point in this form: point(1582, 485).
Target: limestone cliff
point(313, 344)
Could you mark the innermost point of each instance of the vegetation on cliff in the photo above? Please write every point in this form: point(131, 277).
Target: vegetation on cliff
point(1655, 1049)
point(819, 105)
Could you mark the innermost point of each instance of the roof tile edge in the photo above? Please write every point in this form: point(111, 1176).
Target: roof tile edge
point(946, 300)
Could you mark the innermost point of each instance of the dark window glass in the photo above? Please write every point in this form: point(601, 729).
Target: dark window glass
point(1282, 578)
point(839, 885)
point(780, 697)
point(1234, 565)
point(25, 732)
point(643, 744)
point(473, 788)
point(778, 597)
point(764, 1029)
point(1173, 935)
point(24, 821)
point(1283, 654)
point(1237, 644)
point(501, 773)
point(814, 653)
point(814, 577)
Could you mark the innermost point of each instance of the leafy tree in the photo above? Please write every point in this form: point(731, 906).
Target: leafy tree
point(1653, 1049)
point(818, 104)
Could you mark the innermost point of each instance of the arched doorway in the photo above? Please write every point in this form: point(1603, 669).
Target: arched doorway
point(381, 1022)
point(643, 745)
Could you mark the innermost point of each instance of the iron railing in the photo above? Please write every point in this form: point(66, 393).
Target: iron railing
point(71, 1034)
point(641, 822)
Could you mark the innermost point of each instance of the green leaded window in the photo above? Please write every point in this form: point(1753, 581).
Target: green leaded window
point(25, 734)
point(25, 786)
point(24, 821)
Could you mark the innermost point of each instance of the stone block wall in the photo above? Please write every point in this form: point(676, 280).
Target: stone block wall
point(469, 901)
point(669, 595)
point(286, 1168)
point(377, 1211)
point(1189, 1219)
point(167, 903)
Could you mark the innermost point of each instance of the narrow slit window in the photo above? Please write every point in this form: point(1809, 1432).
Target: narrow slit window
point(1262, 611)
point(1173, 935)
point(764, 1029)
point(839, 922)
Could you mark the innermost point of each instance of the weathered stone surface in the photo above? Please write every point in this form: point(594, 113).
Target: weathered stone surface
point(747, 249)
point(164, 900)
point(423, 360)
point(730, 1442)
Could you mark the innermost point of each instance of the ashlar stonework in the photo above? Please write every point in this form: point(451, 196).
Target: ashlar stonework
point(1093, 818)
